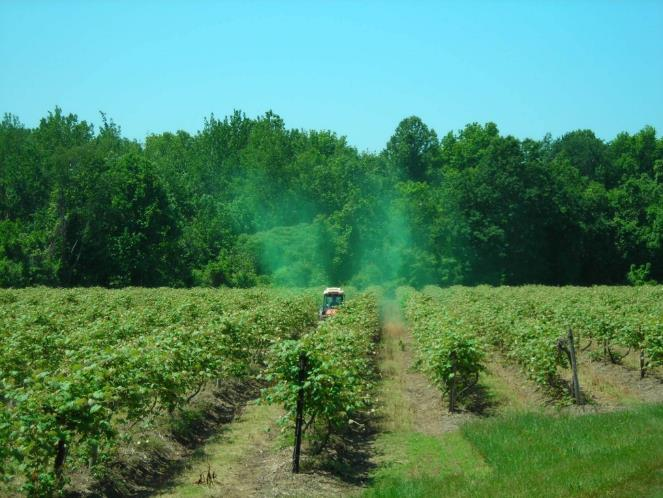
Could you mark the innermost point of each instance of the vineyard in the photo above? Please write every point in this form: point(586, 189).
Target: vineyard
point(455, 327)
point(82, 368)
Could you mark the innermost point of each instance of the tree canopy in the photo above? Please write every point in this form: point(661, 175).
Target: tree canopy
point(248, 201)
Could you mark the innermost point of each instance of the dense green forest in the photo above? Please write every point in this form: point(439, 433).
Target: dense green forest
point(248, 201)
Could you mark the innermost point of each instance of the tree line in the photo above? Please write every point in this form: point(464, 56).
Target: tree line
point(246, 201)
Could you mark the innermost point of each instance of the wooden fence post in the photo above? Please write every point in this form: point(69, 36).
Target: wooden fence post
point(299, 416)
point(574, 367)
point(567, 345)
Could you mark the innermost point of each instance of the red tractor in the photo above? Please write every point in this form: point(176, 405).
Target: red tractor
point(332, 298)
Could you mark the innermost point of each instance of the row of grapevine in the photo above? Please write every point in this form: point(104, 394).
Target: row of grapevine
point(327, 371)
point(515, 328)
point(527, 322)
point(629, 317)
point(448, 350)
point(76, 365)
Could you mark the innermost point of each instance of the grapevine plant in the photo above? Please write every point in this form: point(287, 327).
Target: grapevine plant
point(448, 351)
point(339, 355)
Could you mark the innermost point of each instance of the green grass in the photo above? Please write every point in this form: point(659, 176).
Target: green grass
point(610, 454)
point(415, 455)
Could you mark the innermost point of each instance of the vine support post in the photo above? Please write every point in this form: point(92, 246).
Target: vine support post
point(574, 368)
point(452, 387)
point(299, 416)
point(60, 456)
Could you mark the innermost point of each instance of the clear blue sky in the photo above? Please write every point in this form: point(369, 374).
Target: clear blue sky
point(356, 68)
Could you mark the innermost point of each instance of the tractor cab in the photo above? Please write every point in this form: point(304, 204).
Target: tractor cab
point(332, 298)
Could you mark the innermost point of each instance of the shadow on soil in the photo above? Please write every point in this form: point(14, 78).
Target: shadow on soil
point(480, 401)
point(348, 456)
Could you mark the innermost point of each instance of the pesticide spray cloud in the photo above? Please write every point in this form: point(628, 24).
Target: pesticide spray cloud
point(363, 247)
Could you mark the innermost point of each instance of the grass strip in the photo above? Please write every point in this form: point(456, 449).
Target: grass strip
point(608, 454)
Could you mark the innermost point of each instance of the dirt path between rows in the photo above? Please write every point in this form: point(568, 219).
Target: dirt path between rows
point(418, 436)
point(252, 459)
point(606, 387)
point(414, 403)
point(408, 400)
